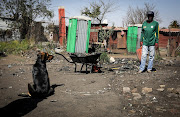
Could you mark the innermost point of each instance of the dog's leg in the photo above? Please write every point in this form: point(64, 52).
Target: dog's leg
point(31, 89)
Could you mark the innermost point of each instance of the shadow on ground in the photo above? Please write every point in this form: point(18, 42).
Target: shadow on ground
point(21, 107)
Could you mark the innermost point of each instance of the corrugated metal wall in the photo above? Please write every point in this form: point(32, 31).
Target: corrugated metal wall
point(81, 36)
point(138, 37)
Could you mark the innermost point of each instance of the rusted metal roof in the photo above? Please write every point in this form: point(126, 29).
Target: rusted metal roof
point(116, 28)
point(171, 30)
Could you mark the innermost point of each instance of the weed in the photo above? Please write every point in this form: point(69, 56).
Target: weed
point(104, 57)
point(14, 47)
point(157, 57)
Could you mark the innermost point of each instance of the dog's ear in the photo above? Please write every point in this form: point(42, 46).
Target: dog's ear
point(43, 56)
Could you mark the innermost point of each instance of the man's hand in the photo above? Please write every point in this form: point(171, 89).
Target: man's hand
point(141, 43)
point(156, 46)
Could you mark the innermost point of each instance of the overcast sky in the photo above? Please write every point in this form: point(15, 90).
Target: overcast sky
point(169, 10)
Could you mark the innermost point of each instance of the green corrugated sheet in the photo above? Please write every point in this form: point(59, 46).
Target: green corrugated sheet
point(71, 40)
point(132, 39)
point(88, 35)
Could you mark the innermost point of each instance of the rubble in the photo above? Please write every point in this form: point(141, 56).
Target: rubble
point(64, 68)
point(9, 66)
point(136, 96)
point(173, 95)
point(162, 86)
point(170, 89)
point(146, 90)
point(160, 89)
point(111, 60)
point(134, 90)
point(53, 101)
point(160, 108)
point(126, 90)
point(177, 91)
point(124, 65)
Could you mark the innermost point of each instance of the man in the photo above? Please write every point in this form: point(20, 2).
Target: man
point(149, 41)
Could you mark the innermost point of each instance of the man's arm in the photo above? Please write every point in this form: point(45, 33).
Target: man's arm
point(142, 34)
point(157, 33)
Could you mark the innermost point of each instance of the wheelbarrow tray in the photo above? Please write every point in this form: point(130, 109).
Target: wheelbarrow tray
point(92, 59)
point(83, 59)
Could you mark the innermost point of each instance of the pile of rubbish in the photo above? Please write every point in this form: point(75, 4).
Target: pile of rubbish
point(124, 64)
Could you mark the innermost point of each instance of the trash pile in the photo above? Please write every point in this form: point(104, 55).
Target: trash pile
point(124, 64)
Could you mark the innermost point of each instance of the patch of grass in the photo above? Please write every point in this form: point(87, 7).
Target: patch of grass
point(178, 53)
point(14, 47)
point(48, 47)
point(157, 57)
point(104, 57)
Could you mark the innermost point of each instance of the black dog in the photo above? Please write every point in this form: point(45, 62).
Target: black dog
point(41, 84)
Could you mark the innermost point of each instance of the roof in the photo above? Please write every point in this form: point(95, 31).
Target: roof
point(61, 7)
point(138, 25)
point(80, 18)
point(116, 28)
point(98, 25)
point(171, 30)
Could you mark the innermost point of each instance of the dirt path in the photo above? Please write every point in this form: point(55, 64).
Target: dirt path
point(117, 93)
point(80, 95)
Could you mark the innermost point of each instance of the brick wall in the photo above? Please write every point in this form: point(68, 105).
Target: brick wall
point(163, 40)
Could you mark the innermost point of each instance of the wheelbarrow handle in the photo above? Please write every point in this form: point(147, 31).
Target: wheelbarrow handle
point(68, 60)
point(65, 58)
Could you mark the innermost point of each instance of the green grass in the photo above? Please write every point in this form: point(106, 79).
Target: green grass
point(104, 57)
point(48, 47)
point(14, 47)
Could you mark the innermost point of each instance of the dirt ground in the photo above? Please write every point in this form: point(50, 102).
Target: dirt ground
point(119, 91)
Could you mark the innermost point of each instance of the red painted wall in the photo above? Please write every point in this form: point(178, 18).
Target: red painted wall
point(62, 26)
point(163, 40)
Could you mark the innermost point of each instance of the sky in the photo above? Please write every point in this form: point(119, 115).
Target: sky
point(169, 10)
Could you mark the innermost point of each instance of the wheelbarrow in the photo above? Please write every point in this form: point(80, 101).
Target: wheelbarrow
point(90, 60)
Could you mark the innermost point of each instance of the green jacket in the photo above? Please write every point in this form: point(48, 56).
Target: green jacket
point(150, 33)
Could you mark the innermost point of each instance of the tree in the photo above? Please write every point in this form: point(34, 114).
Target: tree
point(139, 15)
point(23, 12)
point(98, 10)
point(174, 24)
point(105, 34)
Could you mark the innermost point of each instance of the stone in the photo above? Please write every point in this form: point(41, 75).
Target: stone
point(132, 111)
point(146, 90)
point(170, 89)
point(160, 89)
point(111, 60)
point(93, 81)
point(53, 100)
point(126, 90)
point(9, 66)
point(178, 90)
point(172, 95)
point(161, 109)
point(64, 68)
point(59, 50)
point(162, 86)
point(136, 96)
point(134, 90)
